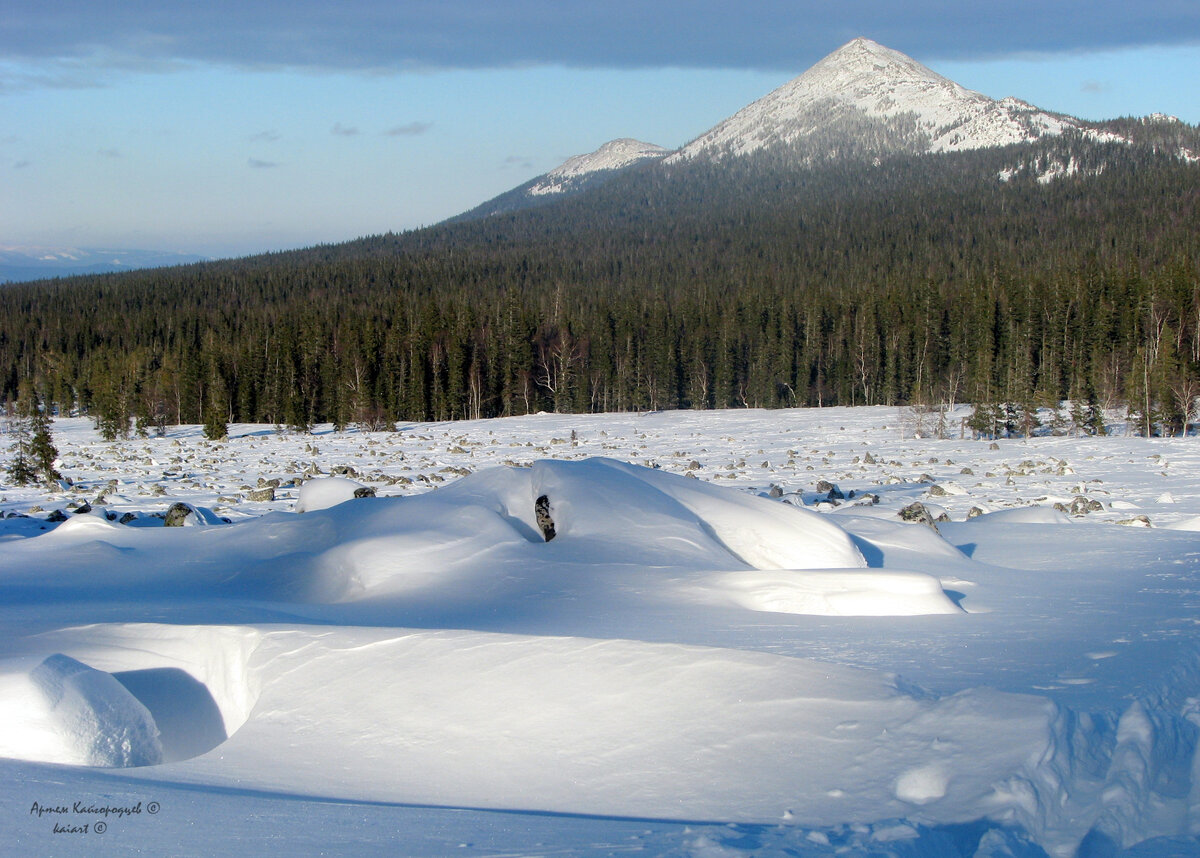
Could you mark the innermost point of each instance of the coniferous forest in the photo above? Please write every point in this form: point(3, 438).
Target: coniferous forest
point(752, 282)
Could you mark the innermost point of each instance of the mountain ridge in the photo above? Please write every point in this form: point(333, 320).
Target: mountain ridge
point(863, 101)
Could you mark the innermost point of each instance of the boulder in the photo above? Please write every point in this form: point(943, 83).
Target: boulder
point(541, 510)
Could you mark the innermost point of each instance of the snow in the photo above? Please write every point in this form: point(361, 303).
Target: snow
point(62, 711)
point(613, 155)
point(698, 663)
point(325, 492)
point(865, 80)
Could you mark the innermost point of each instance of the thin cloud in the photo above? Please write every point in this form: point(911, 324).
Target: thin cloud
point(341, 130)
point(518, 161)
point(383, 35)
point(1095, 86)
point(412, 129)
point(21, 165)
point(265, 137)
point(110, 153)
point(257, 164)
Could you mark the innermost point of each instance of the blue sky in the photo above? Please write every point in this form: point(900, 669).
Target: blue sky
point(226, 128)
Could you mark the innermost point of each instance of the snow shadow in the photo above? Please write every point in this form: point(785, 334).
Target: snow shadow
point(188, 718)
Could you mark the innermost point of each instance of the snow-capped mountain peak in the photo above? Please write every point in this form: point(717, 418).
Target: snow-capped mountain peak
point(871, 97)
point(614, 155)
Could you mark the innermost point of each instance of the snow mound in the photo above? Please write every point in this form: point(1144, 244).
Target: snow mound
point(627, 502)
point(325, 492)
point(1024, 515)
point(617, 727)
point(837, 593)
point(196, 684)
point(63, 711)
point(1191, 523)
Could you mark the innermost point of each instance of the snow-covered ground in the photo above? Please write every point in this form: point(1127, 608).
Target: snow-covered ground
point(709, 658)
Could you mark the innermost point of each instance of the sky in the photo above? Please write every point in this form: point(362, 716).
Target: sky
point(229, 127)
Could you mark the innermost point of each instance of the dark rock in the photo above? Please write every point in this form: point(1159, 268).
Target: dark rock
point(775, 492)
point(177, 514)
point(830, 490)
point(261, 495)
point(83, 508)
point(541, 509)
point(917, 513)
point(128, 517)
point(936, 491)
point(364, 492)
point(57, 516)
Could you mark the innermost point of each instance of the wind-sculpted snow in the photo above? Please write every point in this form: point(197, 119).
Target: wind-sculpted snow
point(63, 711)
point(735, 647)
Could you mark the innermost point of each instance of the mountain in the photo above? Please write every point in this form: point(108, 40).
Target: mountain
point(572, 176)
point(863, 101)
point(20, 263)
point(865, 98)
point(614, 155)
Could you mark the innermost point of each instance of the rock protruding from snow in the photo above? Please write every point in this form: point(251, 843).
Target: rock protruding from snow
point(63, 711)
point(541, 511)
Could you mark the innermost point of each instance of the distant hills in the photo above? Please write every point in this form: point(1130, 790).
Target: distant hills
point(20, 263)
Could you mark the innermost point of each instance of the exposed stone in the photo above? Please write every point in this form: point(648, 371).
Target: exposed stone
point(974, 512)
point(177, 514)
point(57, 516)
point(1136, 521)
point(541, 509)
point(364, 492)
point(261, 495)
point(1083, 505)
point(917, 513)
point(775, 492)
point(936, 491)
point(830, 490)
point(128, 517)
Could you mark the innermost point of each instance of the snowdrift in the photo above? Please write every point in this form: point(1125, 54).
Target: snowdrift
point(606, 641)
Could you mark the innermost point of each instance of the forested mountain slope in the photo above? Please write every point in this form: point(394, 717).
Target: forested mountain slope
point(754, 281)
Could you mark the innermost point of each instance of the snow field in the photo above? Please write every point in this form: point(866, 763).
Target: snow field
point(711, 643)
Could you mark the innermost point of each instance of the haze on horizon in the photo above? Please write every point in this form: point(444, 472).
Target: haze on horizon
point(223, 129)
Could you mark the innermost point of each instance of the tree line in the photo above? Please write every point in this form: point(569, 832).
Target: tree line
point(754, 283)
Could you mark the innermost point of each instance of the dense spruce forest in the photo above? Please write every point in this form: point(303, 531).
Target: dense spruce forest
point(752, 282)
